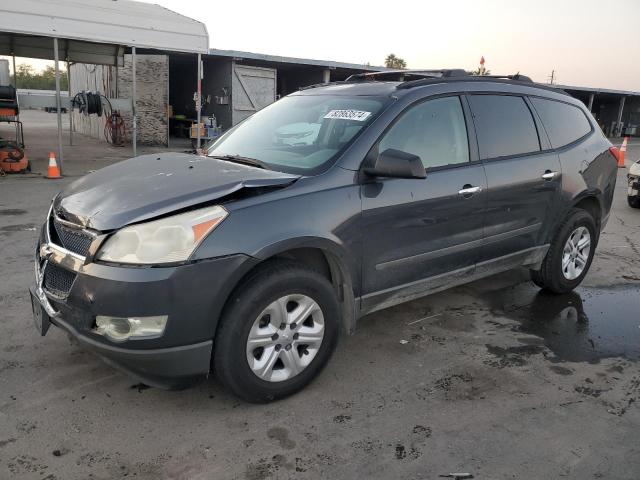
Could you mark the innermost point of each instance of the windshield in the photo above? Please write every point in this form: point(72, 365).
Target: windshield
point(301, 133)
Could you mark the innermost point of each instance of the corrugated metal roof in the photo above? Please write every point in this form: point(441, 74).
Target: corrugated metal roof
point(112, 22)
point(598, 90)
point(298, 61)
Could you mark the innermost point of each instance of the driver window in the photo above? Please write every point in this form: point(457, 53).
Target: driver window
point(434, 130)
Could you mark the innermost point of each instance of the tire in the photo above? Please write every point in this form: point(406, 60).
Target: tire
point(634, 202)
point(245, 313)
point(553, 276)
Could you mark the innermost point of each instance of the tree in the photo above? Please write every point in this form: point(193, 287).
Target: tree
point(24, 70)
point(45, 80)
point(480, 71)
point(395, 62)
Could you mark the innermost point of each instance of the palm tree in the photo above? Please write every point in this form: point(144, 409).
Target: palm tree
point(395, 62)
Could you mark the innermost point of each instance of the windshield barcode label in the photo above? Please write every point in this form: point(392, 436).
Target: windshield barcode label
point(357, 115)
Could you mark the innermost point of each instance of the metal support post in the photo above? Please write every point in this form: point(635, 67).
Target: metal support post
point(58, 101)
point(199, 102)
point(133, 102)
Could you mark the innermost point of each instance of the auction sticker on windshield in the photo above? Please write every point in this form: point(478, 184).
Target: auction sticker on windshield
point(357, 115)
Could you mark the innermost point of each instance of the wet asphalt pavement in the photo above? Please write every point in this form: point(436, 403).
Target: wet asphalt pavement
point(493, 378)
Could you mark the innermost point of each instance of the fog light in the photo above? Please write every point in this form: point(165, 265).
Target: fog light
point(132, 328)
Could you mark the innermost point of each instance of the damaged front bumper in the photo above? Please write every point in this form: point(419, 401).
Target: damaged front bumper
point(160, 367)
point(72, 291)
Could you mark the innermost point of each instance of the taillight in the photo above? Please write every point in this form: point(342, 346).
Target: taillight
point(615, 152)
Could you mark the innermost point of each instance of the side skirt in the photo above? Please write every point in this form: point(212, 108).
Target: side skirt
point(372, 302)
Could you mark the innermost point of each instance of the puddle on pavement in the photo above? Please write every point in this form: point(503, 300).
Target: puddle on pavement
point(586, 325)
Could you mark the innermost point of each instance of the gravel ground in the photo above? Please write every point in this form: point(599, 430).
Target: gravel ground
point(493, 378)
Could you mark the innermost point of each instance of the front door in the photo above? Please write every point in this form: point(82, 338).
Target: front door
point(416, 229)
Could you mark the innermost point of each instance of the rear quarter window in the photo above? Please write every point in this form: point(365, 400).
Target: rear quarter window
point(564, 123)
point(504, 125)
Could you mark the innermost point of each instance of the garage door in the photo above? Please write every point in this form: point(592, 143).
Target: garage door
point(252, 88)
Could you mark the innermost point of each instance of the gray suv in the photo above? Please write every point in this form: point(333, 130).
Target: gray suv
point(329, 204)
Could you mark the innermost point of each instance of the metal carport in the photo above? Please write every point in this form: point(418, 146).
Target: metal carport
point(98, 32)
point(610, 107)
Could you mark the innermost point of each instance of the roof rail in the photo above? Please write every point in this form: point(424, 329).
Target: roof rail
point(406, 75)
point(417, 78)
point(517, 77)
point(425, 81)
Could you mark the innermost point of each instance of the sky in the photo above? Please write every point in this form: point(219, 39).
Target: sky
point(586, 43)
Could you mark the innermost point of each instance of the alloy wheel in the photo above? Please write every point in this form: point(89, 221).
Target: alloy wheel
point(575, 254)
point(285, 338)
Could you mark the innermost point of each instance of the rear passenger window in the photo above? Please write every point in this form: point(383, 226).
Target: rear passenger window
point(434, 130)
point(564, 123)
point(504, 125)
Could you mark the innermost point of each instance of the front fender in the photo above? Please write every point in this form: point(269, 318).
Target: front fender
point(343, 267)
point(325, 244)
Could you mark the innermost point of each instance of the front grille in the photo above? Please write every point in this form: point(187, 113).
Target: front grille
point(74, 240)
point(58, 280)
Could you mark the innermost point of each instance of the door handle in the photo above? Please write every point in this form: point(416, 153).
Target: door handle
point(549, 175)
point(468, 191)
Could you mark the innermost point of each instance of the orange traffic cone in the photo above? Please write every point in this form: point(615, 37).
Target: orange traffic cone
point(623, 149)
point(53, 171)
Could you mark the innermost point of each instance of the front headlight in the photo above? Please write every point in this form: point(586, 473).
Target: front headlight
point(168, 240)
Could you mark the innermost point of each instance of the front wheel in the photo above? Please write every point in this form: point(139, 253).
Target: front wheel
point(278, 331)
point(570, 254)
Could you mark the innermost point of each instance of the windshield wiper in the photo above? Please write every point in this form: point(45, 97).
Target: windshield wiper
point(253, 162)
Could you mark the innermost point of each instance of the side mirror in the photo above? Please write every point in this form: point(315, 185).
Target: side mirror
point(396, 164)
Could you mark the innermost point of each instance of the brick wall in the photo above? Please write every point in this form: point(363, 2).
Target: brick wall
point(152, 75)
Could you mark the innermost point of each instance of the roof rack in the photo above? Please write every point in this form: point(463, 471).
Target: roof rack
point(517, 77)
point(425, 81)
point(417, 78)
point(406, 75)
point(392, 76)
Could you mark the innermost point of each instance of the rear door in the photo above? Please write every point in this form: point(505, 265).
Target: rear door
point(523, 174)
point(414, 229)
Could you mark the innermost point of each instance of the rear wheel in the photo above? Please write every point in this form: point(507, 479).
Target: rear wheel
point(278, 331)
point(570, 254)
point(634, 202)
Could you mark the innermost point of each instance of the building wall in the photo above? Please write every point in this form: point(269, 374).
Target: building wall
point(152, 97)
point(152, 75)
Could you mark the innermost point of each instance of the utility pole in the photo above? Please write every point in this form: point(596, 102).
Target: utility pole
point(552, 77)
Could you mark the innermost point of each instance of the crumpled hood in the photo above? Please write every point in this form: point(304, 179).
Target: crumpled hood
point(152, 185)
